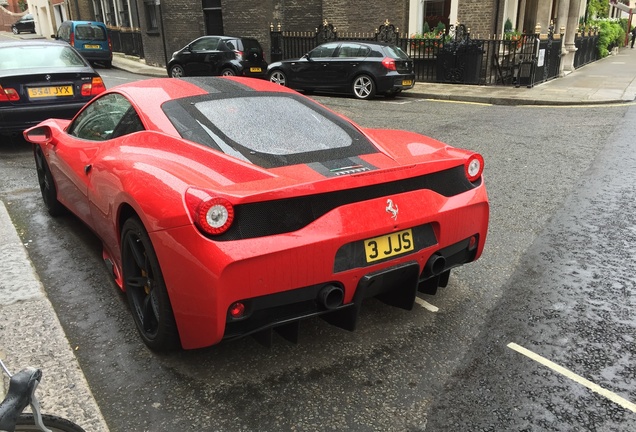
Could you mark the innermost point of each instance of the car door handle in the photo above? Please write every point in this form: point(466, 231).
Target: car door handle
point(87, 168)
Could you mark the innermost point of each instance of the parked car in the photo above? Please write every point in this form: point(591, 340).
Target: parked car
point(219, 55)
point(364, 69)
point(220, 220)
point(40, 79)
point(89, 38)
point(24, 24)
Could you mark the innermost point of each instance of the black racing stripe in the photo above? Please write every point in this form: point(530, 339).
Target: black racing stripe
point(291, 214)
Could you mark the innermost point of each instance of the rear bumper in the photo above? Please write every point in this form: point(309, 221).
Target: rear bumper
point(396, 82)
point(96, 55)
point(279, 277)
point(17, 119)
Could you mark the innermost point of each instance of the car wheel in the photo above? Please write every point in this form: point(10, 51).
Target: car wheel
point(176, 71)
point(278, 77)
point(363, 87)
point(15, 30)
point(47, 185)
point(228, 72)
point(146, 289)
point(108, 64)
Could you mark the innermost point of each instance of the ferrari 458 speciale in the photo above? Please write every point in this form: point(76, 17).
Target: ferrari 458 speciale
point(233, 206)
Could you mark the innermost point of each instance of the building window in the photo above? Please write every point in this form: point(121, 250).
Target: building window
point(213, 17)
point(152, 23)
point(436, 11)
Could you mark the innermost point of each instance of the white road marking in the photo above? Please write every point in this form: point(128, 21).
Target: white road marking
point(574, 377)
point(426, 305)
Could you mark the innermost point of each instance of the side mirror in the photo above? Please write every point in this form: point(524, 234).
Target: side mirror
point(38, 134)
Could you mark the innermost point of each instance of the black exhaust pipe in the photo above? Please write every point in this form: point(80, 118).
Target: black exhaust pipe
point(330, 297)
point(435, 265)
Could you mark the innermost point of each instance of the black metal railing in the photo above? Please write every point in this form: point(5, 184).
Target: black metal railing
point(521, 60)
point(126, 40)
point(586, 49)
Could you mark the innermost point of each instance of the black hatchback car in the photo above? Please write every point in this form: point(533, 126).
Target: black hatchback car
point(40, 79)
point(363, 69)
point(219, 55)
point(24, 24)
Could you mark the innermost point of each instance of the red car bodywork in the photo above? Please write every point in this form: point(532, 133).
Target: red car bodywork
point(276, 275)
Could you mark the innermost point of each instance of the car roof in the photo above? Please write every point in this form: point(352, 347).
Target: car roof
point(361, 42)
point(86, 22)
point(37, 42)
point(228, 37)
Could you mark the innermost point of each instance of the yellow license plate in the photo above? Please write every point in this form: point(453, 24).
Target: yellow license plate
point(407, 82)
point(388, 245)
point(92, 46)
point(255, 69)
point(44, 92)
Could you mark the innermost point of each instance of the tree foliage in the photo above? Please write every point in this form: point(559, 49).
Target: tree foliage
point(598, 9)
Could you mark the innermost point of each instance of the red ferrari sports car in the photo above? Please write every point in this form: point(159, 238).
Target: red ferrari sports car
point(234, 206)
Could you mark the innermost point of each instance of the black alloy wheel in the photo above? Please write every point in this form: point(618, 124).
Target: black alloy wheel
point(176, 71)
point(47, 184)
point(146, 289)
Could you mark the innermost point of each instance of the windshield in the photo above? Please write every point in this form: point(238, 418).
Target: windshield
point(29, 56)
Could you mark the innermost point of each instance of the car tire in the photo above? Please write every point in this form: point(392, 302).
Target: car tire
point(176, 71)
point(108, 64)
point(47, 184)
point(15, 30)
point(278, 77)
point(145, 288)
point(228, 72)
point(363, 87)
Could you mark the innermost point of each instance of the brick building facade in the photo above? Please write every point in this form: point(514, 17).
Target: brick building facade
point(167, 25)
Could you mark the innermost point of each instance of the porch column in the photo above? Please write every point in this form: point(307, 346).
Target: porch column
point(570, 33)
point(544, 8)
point(562, 21)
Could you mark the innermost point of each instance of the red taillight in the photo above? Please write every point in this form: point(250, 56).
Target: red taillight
point(239, 54)
point(8, 95)
point(110, 44)
point(389, 63)
point(474, 167)
point(211, 214)
point(95, 87)
point(71, 40)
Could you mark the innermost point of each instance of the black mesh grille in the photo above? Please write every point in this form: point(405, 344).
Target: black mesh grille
point(288, 215)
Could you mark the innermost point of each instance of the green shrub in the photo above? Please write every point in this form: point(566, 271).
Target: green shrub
point(508, 26)
point(611, 34)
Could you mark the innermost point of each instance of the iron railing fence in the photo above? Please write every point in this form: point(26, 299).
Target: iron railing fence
point(586, 49)
point(126, 40)
point(469, 61)
point(526, 59)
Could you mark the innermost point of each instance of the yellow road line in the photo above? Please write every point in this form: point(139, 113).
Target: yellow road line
point(574, 377)
point(426, 305)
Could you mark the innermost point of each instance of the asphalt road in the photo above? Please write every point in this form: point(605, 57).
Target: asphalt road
point(556, 278)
